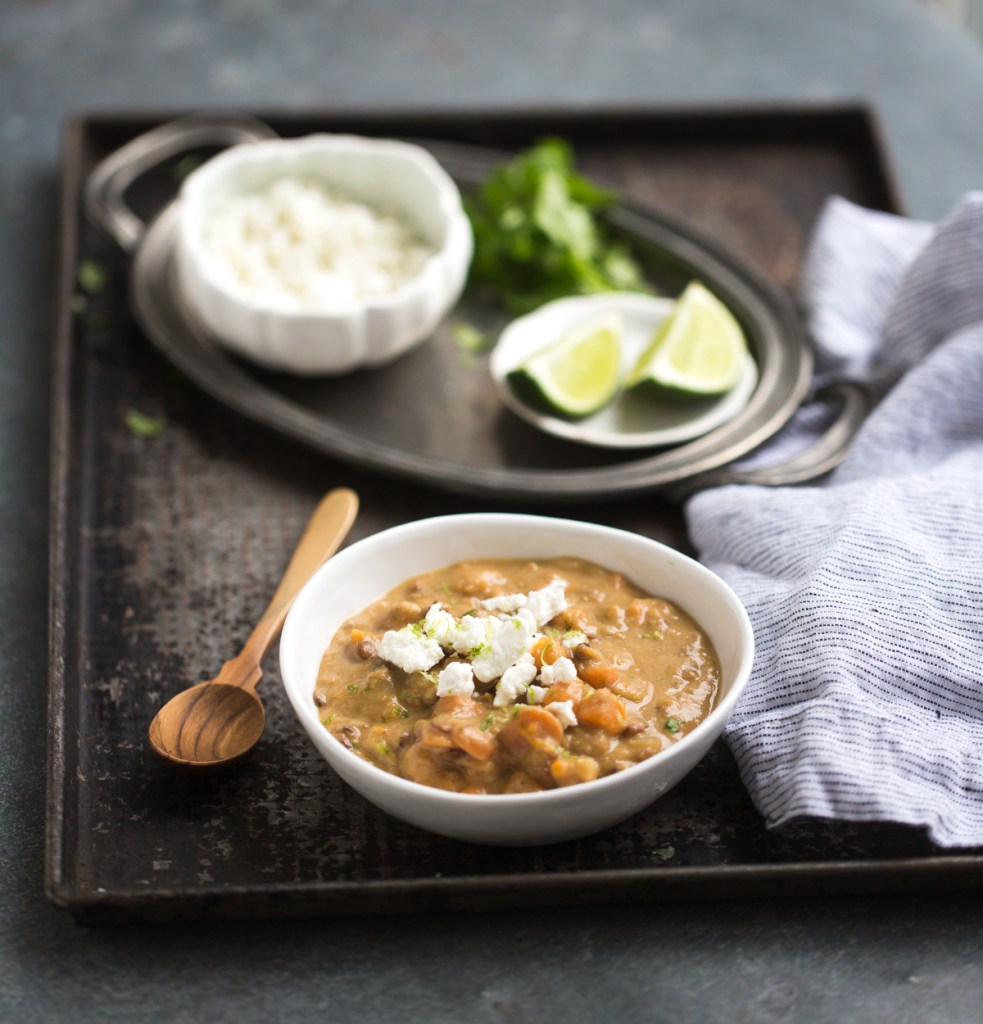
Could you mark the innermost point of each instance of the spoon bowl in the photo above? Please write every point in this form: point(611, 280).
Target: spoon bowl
point(208, 725)
point(217, 722)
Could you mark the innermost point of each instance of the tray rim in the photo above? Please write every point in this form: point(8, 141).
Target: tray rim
point(955, 871)
point(855, 113)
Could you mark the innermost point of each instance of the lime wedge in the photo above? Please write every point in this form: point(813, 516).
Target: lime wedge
point(578, 373)
point(698, 350)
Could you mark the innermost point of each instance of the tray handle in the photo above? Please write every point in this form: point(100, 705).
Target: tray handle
point(823, 455)
point(104, 201)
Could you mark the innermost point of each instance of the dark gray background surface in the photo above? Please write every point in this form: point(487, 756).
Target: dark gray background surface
point(917, 958)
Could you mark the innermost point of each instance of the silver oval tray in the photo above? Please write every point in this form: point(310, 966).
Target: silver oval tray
point(433, 416)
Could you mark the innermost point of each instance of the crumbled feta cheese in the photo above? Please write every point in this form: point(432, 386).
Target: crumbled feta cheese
point(409, 650)
point(529, 619)
point(564, 671)
point(563, 709)
point(536, 694)
point(515, 680)
point(548, 602)
point(507, 603)
point(440, 625)
point(505, 646)
point(456, 680)
point(473, 633)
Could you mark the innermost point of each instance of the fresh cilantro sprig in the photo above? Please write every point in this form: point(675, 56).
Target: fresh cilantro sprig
point(538, 236)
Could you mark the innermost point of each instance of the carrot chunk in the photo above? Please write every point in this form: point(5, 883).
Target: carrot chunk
point(568, 771)
point(531, 741)
point(572, 690)
point(603, 710)
point(546, 651)
point(435, 736)
point(456, 705)
point(473, 741)
point(599, 676)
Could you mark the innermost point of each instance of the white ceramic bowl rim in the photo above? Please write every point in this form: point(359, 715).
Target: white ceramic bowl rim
point(719, 714)
point(190, 198)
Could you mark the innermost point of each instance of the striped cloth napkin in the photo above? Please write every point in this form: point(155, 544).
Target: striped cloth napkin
point(866, 588)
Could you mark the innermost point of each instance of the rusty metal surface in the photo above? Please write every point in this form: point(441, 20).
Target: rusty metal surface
point(166, 549)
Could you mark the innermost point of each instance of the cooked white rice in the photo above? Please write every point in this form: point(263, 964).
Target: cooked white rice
point(297, 245)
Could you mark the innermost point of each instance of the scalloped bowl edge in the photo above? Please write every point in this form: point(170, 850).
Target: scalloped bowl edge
point(399, 177)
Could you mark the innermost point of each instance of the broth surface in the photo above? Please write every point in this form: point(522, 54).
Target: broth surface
point(611, 679)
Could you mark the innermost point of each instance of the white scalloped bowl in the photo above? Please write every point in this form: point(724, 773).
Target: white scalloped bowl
point(393, 177)
point(370, 568)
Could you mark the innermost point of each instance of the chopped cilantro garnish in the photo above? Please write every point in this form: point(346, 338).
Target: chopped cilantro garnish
point(469, 339)
point(92, 276)
point(476, 652)
point(416, 628)
point(400, 712)
point(327, 719)
point(537, 233)
point(383, 749)
point(673, 725)
point(352, 688)
point(486, 724)
point(142, 425)
point(654, 635)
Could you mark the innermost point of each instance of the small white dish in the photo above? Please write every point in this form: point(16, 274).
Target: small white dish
point(368, 569)
point(394, 177)
point(630, 421)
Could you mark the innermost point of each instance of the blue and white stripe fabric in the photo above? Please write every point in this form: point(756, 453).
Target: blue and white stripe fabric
point(866, 588)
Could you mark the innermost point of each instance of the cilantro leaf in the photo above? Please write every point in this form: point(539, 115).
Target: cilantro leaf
point(91, 276)
point(469, 341)
point(538, 236)
point(141, 425)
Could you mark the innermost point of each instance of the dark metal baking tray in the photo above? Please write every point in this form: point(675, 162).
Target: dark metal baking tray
point(165, 549)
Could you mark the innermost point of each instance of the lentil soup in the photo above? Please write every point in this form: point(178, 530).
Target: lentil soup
point(512, 676)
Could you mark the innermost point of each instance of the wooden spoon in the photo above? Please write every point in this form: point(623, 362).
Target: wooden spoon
point(216, 722)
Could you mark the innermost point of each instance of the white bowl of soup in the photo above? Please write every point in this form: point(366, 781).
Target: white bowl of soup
point(322, 254)
point(514, 679)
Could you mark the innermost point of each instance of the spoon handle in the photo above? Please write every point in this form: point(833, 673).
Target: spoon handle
point(326, 529)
